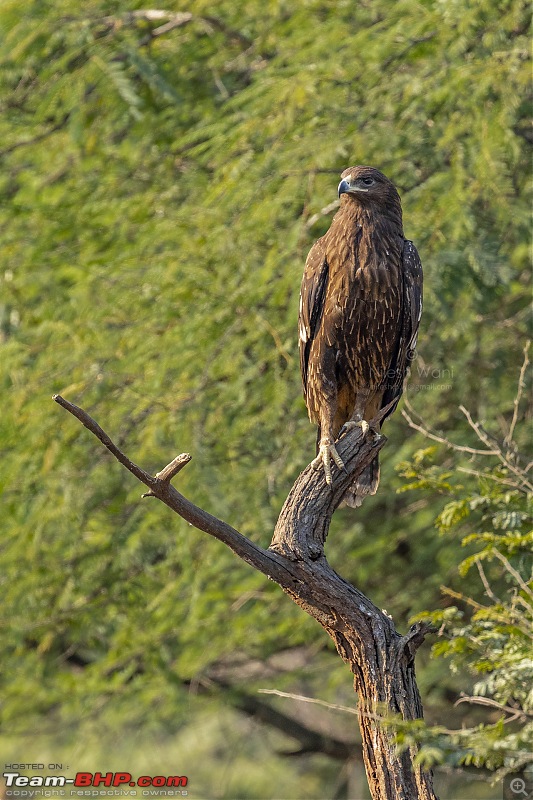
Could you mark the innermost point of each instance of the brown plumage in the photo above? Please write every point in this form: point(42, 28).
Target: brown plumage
point(360, 306)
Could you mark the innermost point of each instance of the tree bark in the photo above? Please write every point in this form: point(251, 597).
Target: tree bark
point(381, 660)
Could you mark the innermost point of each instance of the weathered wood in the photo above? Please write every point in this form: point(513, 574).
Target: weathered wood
point(303, 523)
point(381, 660)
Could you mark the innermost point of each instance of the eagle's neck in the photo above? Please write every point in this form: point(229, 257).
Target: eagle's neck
point(384, 221)
point(363, 237)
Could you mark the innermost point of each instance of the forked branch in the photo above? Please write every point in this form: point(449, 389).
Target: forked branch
point(381, 660)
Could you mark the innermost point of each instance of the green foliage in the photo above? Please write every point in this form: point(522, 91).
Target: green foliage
point(490, 638)
point(160, 188)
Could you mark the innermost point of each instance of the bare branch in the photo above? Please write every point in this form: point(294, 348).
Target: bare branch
point(441, 439)
point(495, 478)
point(305, 699)
point(322, 213)
point(265, 561)
point(171, 470)
point(517, 713)
point(521, 386)
point(100, 434)
point(484, 437)
point(512, 571)
point(356, 453)
point(486, 584)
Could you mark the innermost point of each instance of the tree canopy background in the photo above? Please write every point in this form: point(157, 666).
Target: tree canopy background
point(163, 178)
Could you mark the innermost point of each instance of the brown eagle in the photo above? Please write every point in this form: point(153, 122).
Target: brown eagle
point(360, 306)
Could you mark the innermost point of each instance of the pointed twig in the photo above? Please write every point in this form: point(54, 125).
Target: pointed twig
point(517, 713)
point(175, 466)
point(305, 699)
point(521, 386)
point(484, 437)
point(441, 439)
point(100, 434)
point(495, 478)
point(512, 571)
point(168, 472)
point(486, 584)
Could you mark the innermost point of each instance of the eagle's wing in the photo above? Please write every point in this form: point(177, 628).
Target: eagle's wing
point(411, 313)
point(312, 297)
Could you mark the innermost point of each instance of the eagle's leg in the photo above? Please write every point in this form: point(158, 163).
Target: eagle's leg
point(357, 420)
point(327, 452)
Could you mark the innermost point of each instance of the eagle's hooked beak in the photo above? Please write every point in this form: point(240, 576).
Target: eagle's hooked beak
point(344, 186)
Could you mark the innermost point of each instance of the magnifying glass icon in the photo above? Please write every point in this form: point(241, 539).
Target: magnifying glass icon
point(518, 786)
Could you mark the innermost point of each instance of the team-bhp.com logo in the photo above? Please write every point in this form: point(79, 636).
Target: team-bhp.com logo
point(108, 783)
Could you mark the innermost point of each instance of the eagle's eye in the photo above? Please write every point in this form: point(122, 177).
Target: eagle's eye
point(367, 181)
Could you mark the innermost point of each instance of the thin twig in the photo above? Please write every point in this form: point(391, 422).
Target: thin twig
point(502, 617)
point(458, 596)
point(276, 337)
point(178, 22)
point(483, 436)
point(479, 474)
point(521, 386)
point(486, 584)
point(487, 701)
point(512, 571)
point(100, 434)
point(305, 699)
point(441, 439)
point(322, 213)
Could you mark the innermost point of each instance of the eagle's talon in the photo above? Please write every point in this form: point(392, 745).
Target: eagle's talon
point(352, 423)
point(326, 453)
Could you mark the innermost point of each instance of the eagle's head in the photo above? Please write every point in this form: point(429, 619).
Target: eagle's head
point(368, 186)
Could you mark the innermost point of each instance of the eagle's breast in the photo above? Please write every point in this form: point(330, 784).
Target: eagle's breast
point(364, 303)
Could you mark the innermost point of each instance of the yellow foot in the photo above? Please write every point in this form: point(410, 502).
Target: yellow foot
point(327, 452)
point(362, 423)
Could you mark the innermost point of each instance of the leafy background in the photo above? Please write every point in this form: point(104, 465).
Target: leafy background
point(162, 181)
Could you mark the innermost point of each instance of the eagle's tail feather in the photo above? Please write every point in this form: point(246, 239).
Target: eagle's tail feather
point(367, 483)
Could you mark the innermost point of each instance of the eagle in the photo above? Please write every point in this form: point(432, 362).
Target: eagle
point(360, 308)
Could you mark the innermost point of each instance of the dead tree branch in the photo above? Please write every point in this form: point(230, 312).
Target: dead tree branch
point(381, 660)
